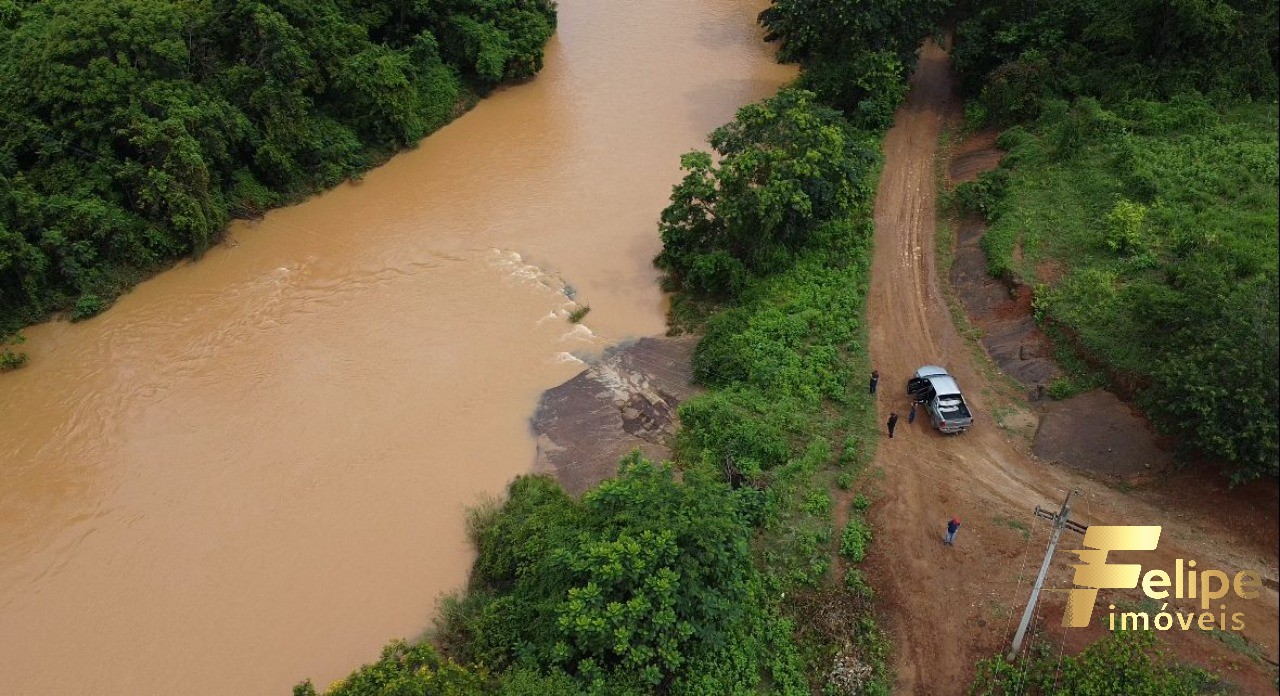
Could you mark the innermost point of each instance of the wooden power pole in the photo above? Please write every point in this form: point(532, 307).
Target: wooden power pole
point(1060, 521)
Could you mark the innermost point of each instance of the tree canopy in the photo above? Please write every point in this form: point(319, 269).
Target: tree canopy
point(786, 165)
point(856, 54)
point(1014, 52)
point(645, 584)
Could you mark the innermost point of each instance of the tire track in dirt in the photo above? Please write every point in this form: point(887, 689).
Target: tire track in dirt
point(949, 606)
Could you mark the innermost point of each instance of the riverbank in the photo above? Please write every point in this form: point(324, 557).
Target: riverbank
point(105, 186)
point(625, 400)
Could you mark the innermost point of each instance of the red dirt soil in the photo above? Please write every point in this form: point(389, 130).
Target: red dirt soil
point(947, 607)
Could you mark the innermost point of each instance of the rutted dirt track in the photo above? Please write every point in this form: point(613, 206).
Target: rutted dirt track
point(949, 606)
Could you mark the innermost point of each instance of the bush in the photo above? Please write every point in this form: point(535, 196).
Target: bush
point(645, 581)
point(1124, 663)
point(856, 539)
point(984, 194)
point(9, 358)
point(867, 87)
point(817, 503)
point(405, 669)
point(856, 582)
point(87, 306)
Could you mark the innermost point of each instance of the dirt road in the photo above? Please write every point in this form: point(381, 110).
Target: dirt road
point(949, 606)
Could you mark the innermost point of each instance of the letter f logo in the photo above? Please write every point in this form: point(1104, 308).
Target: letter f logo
point(1094, 573)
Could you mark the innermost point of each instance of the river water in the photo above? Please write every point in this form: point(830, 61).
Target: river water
point(254, 468)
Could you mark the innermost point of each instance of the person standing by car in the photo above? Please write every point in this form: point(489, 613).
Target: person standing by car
point(893, 423)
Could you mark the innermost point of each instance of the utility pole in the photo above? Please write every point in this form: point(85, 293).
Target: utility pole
point(1060, 521)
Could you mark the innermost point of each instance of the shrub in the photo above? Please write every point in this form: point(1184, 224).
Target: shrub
point(87, 306)
point(1123, 663)
point(861, 503)
point(855, 581)
point(646, 579)
point(404, 669)
point(9, 358)
point(984, 194)
point(817, 502)
point(856, 539)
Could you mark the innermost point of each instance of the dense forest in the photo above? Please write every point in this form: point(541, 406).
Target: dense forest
point(133, 130)
point(1140, 198)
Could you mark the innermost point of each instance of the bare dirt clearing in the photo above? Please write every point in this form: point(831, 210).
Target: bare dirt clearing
point(949, 606)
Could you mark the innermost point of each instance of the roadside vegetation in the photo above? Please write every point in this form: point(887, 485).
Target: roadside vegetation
point(132, 131)
point(1139, 199)
point(1123, 663)
point(733, 569)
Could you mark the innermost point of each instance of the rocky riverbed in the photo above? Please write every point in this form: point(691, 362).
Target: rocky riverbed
point(624, 400)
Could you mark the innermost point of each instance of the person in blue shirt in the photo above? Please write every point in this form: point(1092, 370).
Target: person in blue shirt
point(952, 527)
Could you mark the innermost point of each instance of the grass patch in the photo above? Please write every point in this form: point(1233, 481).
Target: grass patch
point(1238, 643)
point(579, 313)
point(1016, 525)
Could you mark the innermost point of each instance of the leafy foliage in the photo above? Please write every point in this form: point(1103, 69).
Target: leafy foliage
point(856, 54)
point(1014, 53)
point(1124, 663)
point(404, 669)
point(786, 166)
point(135, 129)
point(646, 582)
point(856, 539)
point(1165, 214)
point(9, 358)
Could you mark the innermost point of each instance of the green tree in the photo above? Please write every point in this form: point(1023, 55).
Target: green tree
point(646, 583)
point(856, 54)
point(786, 165)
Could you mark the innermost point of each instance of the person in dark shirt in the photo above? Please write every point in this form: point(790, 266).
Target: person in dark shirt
point(952, 527)
point(875, 379)
point(893, 423)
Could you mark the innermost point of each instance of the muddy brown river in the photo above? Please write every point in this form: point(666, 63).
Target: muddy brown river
point(254, 468)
